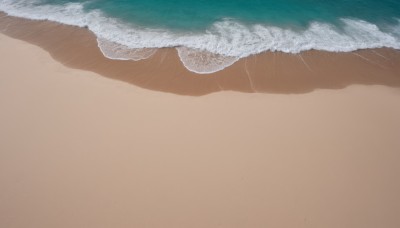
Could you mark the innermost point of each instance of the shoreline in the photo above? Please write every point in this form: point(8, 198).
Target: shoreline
point(270, 72)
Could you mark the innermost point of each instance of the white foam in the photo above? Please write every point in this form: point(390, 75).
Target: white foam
point(118, 51)
point(204, 62)
point(228, 40)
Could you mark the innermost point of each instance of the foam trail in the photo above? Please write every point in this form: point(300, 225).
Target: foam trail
point(380, 55)
point(304, 62)
point(249, 77)
point(370, 61)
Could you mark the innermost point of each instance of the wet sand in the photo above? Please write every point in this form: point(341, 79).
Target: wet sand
point(81, 150)
point(271, 72)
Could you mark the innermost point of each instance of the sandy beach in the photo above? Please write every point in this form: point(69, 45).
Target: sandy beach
point(90, 142)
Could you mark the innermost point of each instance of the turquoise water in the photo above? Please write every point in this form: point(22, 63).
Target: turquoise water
point(215, 29)
point(200, 14)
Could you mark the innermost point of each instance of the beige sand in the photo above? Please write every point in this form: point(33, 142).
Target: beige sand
point(80, 150)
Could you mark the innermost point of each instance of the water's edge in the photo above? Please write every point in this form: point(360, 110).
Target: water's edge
point(220, 46)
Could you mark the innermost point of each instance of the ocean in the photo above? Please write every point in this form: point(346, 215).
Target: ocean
point(210, 35)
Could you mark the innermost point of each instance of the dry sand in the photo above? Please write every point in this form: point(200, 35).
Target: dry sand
point(81, 150)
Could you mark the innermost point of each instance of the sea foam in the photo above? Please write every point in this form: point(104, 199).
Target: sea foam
point(204, 62)
point(219, 46)
point(113, 50)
